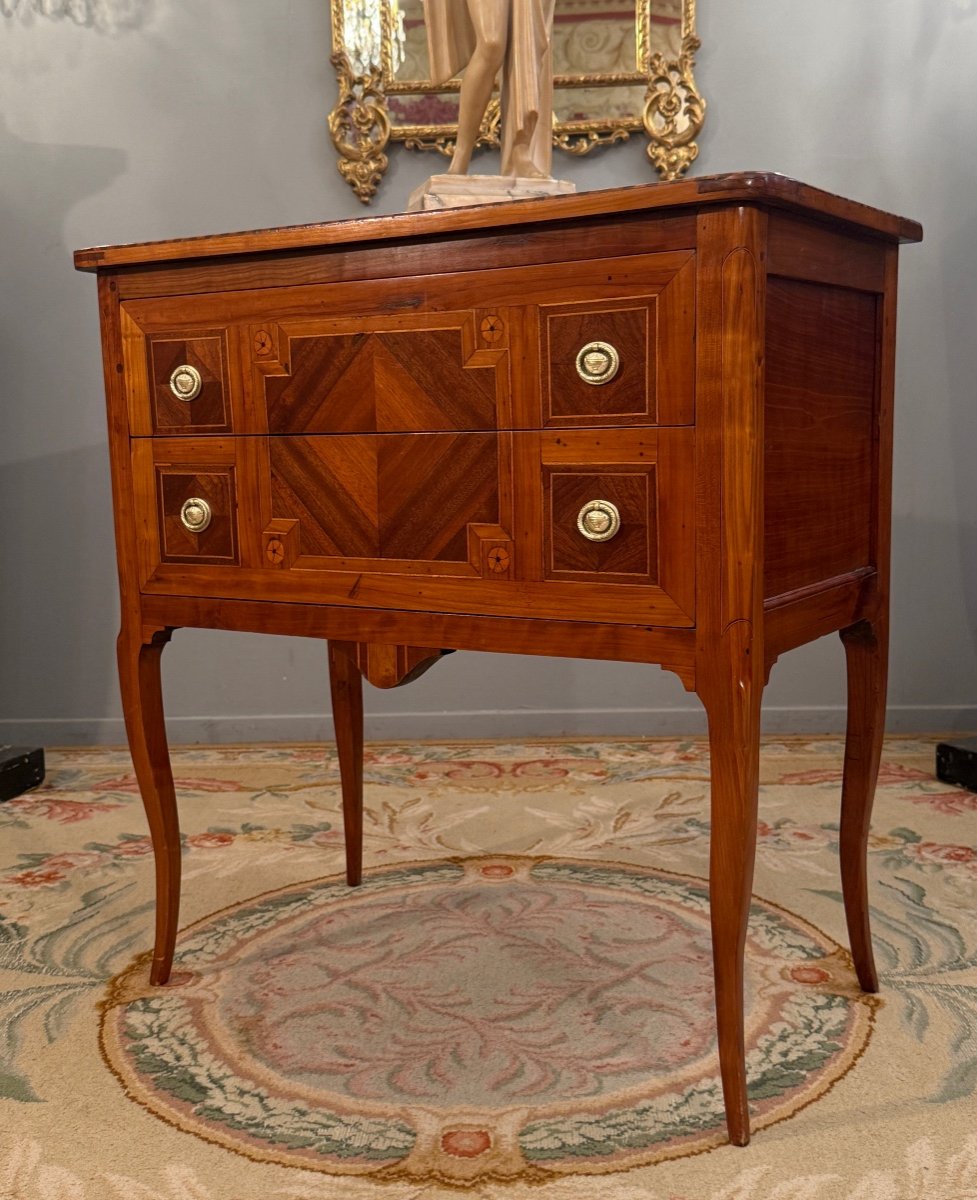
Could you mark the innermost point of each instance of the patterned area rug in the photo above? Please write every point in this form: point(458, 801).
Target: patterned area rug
point(517, 1002)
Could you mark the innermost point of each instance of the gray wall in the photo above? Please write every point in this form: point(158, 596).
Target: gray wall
point(191, 117)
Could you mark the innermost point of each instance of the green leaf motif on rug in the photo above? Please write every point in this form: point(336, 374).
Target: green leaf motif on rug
point(163, 1048)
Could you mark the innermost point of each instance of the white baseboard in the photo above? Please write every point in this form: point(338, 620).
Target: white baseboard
point(476, 724)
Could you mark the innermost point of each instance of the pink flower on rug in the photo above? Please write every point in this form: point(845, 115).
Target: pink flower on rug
point(935, 852)
point(806, 835)
point(810, 975)
point(466, 1143)
point(388, 758)
point(823, 775)
point(558, 768)
point(789, 835)
point(209, 841)
point(496, 871)
point(459, 769)
point(69, 862)
point(889, 772)
point(952, 803)
point(128, 783)
point(65, 812)
point(54, 869)
point(326, 837)
point(45, 877)
point(134, 847)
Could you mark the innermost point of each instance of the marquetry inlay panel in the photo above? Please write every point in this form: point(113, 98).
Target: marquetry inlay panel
point(402, 497)
point(630, 556)
point(378, 382)
point(209, 410)
point(215, 544)
point(628, 327)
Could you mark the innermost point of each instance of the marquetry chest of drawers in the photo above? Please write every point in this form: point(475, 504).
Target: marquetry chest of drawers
point(649, 424)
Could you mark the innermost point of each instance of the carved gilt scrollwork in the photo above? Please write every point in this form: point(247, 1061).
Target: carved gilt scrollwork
point(579, 144)
point(674, 111)
point(360, 127)
point(605, 99)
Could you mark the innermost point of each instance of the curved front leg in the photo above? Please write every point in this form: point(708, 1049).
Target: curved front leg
point(142, 706)
point(866, 653)
point(731, 696)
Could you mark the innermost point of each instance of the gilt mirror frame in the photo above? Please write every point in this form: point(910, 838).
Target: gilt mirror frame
point(378, 105)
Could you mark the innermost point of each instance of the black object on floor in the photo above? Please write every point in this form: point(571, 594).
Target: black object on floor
point(21, 768)
point(956, 762)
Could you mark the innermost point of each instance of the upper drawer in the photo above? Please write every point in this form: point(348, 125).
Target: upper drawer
point(603, 342)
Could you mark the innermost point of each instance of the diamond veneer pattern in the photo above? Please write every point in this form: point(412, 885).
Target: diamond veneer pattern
point(377, 382)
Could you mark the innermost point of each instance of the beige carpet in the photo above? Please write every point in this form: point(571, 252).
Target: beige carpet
point(516, 1003)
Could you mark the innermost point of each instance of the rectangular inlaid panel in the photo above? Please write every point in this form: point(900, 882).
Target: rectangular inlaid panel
point(377, 382)
point(583, 507)
point(394, 496)
point(188, 383)
point(620, 360)
point(596, 360)
point(819, 432)
point(196, 496)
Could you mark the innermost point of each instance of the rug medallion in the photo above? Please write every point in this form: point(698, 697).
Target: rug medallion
point(475, 1018)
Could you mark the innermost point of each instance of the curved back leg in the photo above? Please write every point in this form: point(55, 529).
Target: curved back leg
point(866, 652)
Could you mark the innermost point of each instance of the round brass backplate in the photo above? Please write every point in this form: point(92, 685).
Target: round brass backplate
point(599, 520)
point(185, 382)
point(195, 514)
point(598, 362)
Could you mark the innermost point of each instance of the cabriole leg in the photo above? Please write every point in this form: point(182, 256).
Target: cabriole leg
point(733, 708)
point(142, 705)
point(866, 652)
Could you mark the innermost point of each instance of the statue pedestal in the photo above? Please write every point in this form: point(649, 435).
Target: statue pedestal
point(459, 191)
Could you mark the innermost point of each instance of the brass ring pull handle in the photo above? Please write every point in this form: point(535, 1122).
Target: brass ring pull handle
point(195, 514)
point(599, 520)
point(185, 382)
point(598, 362)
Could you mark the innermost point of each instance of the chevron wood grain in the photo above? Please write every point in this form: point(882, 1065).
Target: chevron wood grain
point(391, 496)
point(380, 382)
point(329, 486)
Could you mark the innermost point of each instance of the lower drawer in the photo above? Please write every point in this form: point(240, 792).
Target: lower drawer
point(582, 524)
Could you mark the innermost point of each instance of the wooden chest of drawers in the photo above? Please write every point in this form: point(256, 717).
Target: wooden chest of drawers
point(649, 424)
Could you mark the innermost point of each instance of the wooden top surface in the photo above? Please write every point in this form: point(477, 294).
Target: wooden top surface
point(769, 190)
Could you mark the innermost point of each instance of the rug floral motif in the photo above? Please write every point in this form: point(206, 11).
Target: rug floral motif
point(489, 1017)
point(518, 998)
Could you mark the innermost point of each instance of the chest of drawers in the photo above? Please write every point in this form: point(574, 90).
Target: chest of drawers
point(650, 424)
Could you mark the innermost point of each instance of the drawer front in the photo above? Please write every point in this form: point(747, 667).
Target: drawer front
point(579, 525)
point(520, 348)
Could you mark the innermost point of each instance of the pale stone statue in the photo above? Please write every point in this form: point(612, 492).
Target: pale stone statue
point(486, 36)
point(480, 38)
